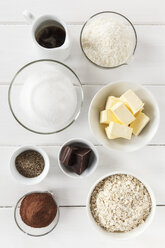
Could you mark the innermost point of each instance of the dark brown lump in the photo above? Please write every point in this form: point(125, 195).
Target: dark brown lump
point(30, 163)
point(76, 158)
point(67, 155)
point(38, 209)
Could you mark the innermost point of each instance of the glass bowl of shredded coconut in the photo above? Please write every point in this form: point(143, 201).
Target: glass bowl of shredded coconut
point(120, 205)
point(108, 40)
point(45, 96)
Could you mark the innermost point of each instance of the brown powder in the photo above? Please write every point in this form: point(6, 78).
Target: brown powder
point(38, 209)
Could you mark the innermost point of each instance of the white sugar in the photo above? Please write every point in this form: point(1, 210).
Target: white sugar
point(49, 99)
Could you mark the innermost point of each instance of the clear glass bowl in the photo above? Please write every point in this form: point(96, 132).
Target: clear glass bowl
point(31, 231)
point(121, 19)
point(42, 71)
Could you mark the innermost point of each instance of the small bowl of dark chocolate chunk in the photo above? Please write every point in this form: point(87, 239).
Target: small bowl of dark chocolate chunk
point(78, 158)
point(29, 165)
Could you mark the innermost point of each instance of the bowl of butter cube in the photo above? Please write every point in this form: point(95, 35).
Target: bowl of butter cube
point(124, 116)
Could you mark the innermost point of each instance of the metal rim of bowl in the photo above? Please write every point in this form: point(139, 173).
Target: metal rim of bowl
point(15, 210)
point(116, 13)
point(12, 82)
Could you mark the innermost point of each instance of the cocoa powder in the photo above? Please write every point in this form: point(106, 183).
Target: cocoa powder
point(38, 209)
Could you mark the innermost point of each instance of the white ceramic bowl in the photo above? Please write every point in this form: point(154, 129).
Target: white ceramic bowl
point(94, 159)
point(133, 233)
point(117, 89)
point(25, 180)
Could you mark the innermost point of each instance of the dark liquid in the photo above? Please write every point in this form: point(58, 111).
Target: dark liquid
point(51, 36)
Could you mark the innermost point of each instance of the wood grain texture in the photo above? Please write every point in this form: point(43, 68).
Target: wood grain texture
point(148, 66)
point(74, 230)
point(12, 133)
point(75, 11)
point(70, 191)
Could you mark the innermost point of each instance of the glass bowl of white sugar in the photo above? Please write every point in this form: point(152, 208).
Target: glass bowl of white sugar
point(108, 40)
point(45, 96)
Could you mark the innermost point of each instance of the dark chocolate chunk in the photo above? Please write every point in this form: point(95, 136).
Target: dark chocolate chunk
point(76, 158)
point(67, 157)
point(82, 160)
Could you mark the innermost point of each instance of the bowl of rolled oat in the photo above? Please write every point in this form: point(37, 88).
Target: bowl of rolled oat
point(120, 205)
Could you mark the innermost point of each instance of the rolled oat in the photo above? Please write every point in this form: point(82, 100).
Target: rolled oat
point(120, 203)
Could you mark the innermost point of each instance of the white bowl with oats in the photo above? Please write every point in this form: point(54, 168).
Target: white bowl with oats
point(120, 205)
point(149, 110)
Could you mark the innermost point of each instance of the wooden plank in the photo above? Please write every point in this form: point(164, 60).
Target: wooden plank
point(147, 163)
point(12, 133)
point(75, 230)
point(138, 11)
point(147, 67)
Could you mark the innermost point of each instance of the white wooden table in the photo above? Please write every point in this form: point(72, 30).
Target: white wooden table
point(74, 229)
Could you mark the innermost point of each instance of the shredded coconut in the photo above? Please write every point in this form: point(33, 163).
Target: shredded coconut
point(120, 203)
point(106, 42)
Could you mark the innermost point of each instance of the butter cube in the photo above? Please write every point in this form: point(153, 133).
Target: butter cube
point(139, 112)
point(109, 134)
point(132, 100)
point(118, 130)
point(122, 113)
point(140, 122)
point(106, 116)
point(111, 100)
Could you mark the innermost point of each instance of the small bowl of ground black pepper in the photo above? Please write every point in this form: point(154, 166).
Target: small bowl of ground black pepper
point(37, 213)
point(29, 165)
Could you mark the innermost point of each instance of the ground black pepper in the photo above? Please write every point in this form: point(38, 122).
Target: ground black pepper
point(30, 163)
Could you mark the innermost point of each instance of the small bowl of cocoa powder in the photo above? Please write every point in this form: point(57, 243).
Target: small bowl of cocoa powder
point(37, 213)
point(29, 165)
